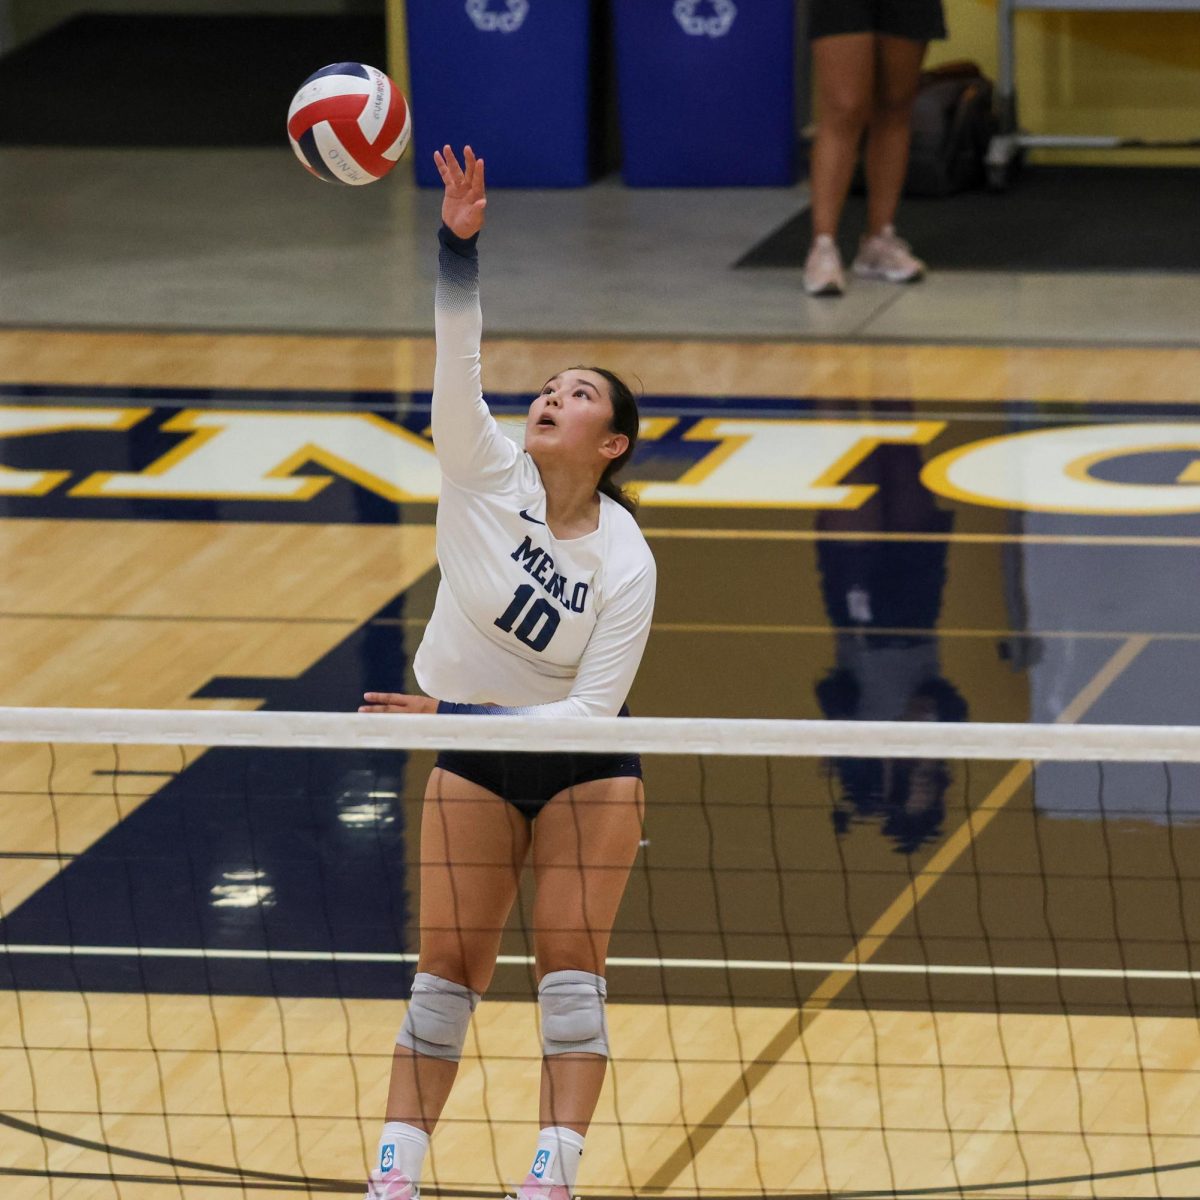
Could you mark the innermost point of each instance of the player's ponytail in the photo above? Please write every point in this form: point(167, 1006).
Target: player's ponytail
point(625, 419)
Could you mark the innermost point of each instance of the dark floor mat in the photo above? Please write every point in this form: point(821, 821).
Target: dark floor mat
point(1051, 219)
point(115, 80)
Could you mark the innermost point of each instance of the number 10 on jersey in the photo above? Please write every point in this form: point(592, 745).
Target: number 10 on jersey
point(538, 624)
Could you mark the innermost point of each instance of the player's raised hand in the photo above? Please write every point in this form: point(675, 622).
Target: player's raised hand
point(397, 702)
point(465, 198)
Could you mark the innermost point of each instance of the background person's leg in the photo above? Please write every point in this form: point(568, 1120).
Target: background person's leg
point(889, 132)
point(844, 65)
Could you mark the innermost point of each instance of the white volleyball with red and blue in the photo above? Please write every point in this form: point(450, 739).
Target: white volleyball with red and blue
point(349, 123)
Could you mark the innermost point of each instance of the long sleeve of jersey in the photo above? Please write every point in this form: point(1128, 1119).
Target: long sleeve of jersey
point(523, 622)
point(471, 449)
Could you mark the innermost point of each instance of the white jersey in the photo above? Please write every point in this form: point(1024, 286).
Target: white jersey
point(522, 619)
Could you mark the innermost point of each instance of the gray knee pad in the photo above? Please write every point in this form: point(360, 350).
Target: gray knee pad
point(437, 1018)
point(572, 1004)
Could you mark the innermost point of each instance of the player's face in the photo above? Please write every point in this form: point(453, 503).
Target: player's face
point(572, 418)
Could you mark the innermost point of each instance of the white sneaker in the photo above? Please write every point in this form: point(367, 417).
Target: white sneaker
point(390, 1185)
point(823, 274)
point(886, 256)
point(534, 1189)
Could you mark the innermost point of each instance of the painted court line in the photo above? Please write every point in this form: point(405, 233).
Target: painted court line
point(691, 964)
point(979, 539)
point(700, 1134)
point(936, 631)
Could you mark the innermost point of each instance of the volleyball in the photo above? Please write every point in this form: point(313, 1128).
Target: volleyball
point(349, 123)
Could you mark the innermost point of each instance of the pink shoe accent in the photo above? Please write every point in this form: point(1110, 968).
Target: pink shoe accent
point(887, 256)
point(390, 1186)
point(534, 1189)
point(823, 274)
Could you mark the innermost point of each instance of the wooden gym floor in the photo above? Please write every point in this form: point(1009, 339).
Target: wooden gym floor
point(833, 539)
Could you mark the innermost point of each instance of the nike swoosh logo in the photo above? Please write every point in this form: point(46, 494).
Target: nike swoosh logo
point(533, 519)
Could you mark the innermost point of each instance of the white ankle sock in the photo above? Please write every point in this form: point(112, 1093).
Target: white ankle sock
point(556, 1160)
point(402, 1146)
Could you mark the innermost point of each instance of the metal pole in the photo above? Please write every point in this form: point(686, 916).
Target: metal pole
point(1006, 67)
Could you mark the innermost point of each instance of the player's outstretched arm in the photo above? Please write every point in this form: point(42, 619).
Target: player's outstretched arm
point(466, 193)
point(472, 451)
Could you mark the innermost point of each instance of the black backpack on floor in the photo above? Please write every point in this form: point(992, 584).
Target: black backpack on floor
point(952, 124)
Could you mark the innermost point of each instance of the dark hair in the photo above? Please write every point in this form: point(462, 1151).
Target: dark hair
point(625, 420)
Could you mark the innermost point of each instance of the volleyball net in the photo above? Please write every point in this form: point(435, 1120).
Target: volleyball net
point(854, 959)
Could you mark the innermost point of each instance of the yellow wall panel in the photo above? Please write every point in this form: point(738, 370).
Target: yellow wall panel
point(1130, 74)
point(397, 65)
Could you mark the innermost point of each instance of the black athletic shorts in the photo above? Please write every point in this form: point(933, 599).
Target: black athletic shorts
point(530, 781)
point(918, 20)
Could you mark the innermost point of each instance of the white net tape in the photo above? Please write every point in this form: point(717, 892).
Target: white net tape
point(598, 735)
point(827, 977)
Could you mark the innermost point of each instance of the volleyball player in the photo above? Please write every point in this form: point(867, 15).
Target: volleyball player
point(543, 608)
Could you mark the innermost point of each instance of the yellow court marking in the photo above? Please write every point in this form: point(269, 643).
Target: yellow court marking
point(933, 633)
point(25, 420)
point(782, 369)
point(991, 472)
point(978, 539)
point(762, 1063)
point(1095, 635)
